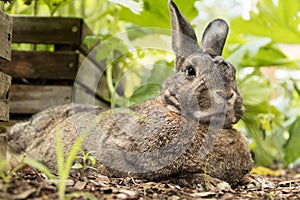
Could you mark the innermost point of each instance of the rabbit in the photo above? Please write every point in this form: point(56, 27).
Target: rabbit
point(186, 132)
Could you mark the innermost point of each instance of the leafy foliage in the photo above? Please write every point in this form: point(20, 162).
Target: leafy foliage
point(292, 145)
point(135, 7)
point(267, 123)
point(278, 21)
point(156, 13)
point(86, 162)
point(53, 5)
point(64, 165)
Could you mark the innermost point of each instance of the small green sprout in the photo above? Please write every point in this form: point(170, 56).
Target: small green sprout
point(87, 161)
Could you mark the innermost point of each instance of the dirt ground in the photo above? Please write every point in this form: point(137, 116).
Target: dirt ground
point(28, 183)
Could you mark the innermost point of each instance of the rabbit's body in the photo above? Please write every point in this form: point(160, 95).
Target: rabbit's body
point(187, 130)
point(228, 160)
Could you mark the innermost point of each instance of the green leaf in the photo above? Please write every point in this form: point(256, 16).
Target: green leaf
point(268, 55)
point(160, 72)
point(108, 47)
point(262, 154)
point(288, 10)
point(156, 13)
point(152, 81)
point(92, 159)
point(77, 166)
point(135, 7)
point(135, 32)
point(280, 23)
point(92, 40)
point(291, 148)
point(145, 92)
point(37, 165)
point(295, 87)
point(252, 89)
point(53, 5)
point(249, 49)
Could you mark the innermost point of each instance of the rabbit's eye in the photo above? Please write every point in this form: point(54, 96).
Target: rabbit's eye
point(191, 70)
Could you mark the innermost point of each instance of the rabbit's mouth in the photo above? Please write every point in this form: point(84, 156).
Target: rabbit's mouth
point(172, 102)
point(201, 115)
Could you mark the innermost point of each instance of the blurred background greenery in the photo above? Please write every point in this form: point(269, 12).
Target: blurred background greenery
point(264, 45)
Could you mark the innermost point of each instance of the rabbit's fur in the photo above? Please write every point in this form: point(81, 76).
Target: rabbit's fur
point(185, 131)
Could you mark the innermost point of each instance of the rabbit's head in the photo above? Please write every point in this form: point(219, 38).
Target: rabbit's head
point(204, 86)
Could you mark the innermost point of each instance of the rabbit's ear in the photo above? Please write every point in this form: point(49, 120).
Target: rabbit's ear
point(184, 40)
point(214, 37)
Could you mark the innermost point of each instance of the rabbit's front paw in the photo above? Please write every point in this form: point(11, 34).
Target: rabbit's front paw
point(254, 181)
point(203, 181)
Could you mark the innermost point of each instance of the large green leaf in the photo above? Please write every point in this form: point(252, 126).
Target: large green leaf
point(262, 123)
point(156, 13)
point(152, 81)
point(288, 12)
point(257, 52)
point(145, 92)
point(159, 73)
point(133, 6)
point(250, 49)
point(292, 146)
point(280, 23)
point(262, 154)
point(268, 55)
point(260, 118)
point(255, 90)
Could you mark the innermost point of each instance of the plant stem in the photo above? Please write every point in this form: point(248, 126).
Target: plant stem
point(35, 8)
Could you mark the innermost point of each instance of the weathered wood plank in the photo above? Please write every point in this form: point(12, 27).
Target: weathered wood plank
point(6, 24)
point(29, 99)
point(42, 65)
point(3, 147)
point(47, 30)
point(5, 82)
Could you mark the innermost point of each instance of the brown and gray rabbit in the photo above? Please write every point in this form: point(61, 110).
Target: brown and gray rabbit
point(186, 132)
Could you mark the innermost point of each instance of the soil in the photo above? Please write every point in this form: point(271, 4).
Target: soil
point(28, 183)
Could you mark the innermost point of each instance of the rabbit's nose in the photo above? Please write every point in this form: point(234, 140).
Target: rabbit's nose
point(221, 94)
point(225, 96)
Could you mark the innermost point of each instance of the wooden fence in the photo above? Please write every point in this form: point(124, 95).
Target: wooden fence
point(44, 75)
point(5, 56)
